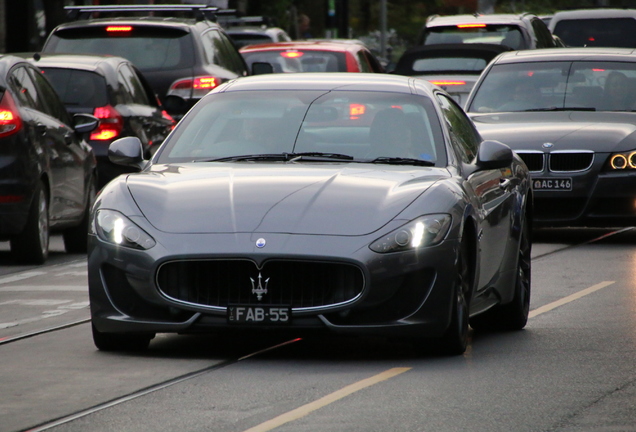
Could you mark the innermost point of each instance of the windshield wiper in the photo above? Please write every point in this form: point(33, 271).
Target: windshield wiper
point(561, 109)
point(402, 161)
point(283, 157)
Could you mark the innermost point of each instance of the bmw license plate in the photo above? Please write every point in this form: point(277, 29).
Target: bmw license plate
point(250, 314)
point(553, 184)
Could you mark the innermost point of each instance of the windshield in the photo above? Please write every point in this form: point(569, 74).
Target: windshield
point(508, 35)
point(585, 86)
point(363, 125)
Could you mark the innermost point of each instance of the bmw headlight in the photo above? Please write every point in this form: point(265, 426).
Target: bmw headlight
point(623, 161)
point(113, 227)
point(421, 232)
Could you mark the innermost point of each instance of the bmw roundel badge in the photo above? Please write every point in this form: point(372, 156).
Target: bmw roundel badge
point(547, 145)
point(260, 242)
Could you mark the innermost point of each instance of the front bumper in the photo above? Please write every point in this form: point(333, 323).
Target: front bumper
point(403, 294)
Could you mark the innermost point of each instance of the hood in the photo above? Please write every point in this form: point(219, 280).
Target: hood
point(567, 130)
point(327, 199)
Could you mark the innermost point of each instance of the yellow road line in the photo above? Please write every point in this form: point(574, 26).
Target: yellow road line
point(326, 400)
point(570, 298)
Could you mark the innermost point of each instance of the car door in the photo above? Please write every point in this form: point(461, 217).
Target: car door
point(73, 154)
point(48, 138)
point(491, 187)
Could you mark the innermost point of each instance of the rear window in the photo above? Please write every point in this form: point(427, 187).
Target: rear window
point(508, 35)
point(450, 64)
point(299, 61)
point(76, 88)
point(600, 32)
point(243, 39)
point(149, 48)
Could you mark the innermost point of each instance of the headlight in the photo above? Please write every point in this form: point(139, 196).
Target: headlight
point(113, 227)
point(422, 232)
point(623, 161)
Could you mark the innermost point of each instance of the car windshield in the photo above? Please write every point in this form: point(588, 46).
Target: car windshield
point(552, 86)
point(78, 89)
point(508, 35)
point(360, 126)
point(298, 60)
point(599, 32)
point(149, 48)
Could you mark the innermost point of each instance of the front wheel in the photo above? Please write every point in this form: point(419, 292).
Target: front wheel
point(121, 341)
point(31, 246)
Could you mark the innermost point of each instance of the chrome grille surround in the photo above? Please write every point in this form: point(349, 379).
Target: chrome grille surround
point(304, 285)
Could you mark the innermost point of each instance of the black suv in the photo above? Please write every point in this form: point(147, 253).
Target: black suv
point(516, 31)
point(184, 53)
point(47, 172)
point(596, 27)
point(113, 90)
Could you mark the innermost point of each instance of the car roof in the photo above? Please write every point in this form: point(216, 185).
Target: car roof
point(439, 20)
point(371, 82)
point(567, 54)
point(79, 61)
point(322, 45)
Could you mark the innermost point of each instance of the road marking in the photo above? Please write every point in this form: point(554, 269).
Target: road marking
point(21, 276)
point(326, 400)
point(569, 298)
point(27, 288)
point(60, 310)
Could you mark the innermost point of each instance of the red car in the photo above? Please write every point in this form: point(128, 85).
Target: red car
point(314, 56)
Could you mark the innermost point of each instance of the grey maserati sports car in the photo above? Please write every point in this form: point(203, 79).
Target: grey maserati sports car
point(350, 203)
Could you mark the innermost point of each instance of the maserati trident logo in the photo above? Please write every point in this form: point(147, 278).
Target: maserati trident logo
point(259, 289)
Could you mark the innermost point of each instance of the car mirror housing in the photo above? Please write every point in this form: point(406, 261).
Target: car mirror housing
point(127, 151)
point(85, 123)
point(493, 155)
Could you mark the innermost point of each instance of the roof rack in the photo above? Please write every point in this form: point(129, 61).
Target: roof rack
point(198, 11)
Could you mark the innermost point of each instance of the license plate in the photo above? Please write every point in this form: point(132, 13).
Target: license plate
point(250, 314)
point(553, 184)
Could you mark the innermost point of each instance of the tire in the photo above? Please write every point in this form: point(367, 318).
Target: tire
point(31, 246)
point(121, 341)
point(76, 238)
point(514, 315)
point(455, 339)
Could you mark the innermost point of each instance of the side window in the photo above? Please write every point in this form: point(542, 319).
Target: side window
point(209, 47)
point(48, 100)
point(131, 81)
point(25, 89)
point(544, 37)
point(362, 61)
point(464, 135)
point(235, 61)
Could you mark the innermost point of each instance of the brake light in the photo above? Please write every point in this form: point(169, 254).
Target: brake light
point(291, 54)
point(167, 116)
point(447, 82)
point(195, 88)
point(118, 29)
point(471, 25)
point(110, 126)
point(356, 110)
point(10, 120)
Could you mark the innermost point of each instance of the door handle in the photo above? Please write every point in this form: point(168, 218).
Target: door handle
point(505, 183)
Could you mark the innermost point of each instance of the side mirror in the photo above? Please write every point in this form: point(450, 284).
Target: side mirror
point(85, 123)
point(175, 104)
point(260, 68)
point(493, 155)
point(127, 151)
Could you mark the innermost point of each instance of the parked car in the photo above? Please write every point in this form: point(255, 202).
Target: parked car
point(453, 67)
point(596, 27)
point(48, 178)
point(517, 31)
point(250, 35)
point(185, 57)
point(114, 91)
point(314, 56)
point(328, 202)
point(570, 114)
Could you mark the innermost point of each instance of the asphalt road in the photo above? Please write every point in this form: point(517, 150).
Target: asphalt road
point(572, 369)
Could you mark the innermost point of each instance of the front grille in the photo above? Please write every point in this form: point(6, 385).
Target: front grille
point(300, 284)
point(570, 161)
point(534, 161)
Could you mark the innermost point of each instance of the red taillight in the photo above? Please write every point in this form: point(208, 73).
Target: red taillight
point(196, 87)
point(471, 25)
point(291, 54)
point(167, 116)
point(10, 120)
point(110, 126)
point(356, 110)
point(118, 29)
point(447, 82)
